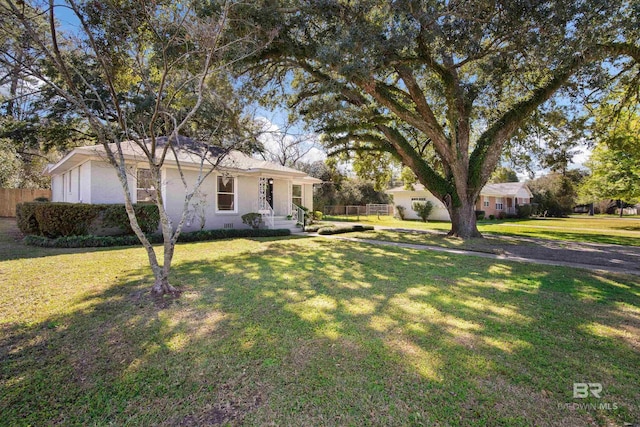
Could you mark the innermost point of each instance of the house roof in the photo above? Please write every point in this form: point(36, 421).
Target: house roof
point(507, 189)
point(504, 189)
point(189, 154)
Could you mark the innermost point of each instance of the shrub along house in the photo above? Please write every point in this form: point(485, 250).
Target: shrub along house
point(495, 199)
point(240, 184)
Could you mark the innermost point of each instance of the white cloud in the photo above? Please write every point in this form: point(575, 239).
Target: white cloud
point(583, 155)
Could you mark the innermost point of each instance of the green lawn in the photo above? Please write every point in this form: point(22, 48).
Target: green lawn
point(599, 229)
point(310, 331)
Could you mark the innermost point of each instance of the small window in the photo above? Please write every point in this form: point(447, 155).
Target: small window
point(415, 200)
point(499, 205)
point(146, 191)
point(296, 192)
point(226, 193)
point(486, 202)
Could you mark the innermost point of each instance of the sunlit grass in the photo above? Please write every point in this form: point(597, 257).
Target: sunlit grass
point(311, 332)
point(599, 229)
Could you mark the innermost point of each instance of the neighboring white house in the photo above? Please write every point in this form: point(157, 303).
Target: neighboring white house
point(407, 199)
point(239, 185)
point(494, 198)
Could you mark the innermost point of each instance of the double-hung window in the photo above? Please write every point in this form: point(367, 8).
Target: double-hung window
point(296, 195)
point(145, 189)
point(499, 204)
point(226, 195)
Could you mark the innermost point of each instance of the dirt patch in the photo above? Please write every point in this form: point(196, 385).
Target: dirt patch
point(142, 297)
point(223, 413)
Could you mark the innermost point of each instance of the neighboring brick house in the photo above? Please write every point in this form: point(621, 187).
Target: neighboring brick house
point(494, 198)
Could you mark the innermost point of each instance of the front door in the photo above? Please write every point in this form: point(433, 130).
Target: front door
point(269, 194)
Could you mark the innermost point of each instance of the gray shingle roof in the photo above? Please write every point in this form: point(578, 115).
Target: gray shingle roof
point(189, 153)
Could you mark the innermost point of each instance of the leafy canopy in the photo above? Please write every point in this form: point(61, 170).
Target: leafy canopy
point(442, 86)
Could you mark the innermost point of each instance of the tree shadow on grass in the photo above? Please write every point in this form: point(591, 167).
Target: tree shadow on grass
point(316, 332)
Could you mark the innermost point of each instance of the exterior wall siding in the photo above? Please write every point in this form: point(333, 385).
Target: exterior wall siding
point(85, 182)
point(56, 188)
point(105, 185)
point(307, 196)
point(246, 200)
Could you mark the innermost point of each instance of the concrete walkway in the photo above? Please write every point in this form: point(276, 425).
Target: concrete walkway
point(503, 257)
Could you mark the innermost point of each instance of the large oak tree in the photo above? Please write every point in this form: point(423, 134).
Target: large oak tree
point(442, 85)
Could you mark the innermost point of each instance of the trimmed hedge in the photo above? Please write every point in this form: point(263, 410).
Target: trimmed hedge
point(107, 241)
point(343, 229)
point(26, 218)
point(87, 241)
point(75, 219)
point(148, 217)
point(230, 233)
point(64, 219)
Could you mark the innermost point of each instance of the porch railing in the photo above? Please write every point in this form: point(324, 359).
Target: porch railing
point(298, 214)
point(268, 216)
point(267, 213)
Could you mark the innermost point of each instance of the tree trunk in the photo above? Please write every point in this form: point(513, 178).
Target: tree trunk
point(463, 221)
point(162, 286)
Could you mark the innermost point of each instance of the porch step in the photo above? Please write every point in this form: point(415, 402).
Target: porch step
point(282, 222)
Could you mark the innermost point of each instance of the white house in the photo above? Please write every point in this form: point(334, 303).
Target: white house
point(494, 198)
point(407, 199)
point(239, 184)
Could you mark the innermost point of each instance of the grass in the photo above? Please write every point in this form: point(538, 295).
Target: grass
point(308, 331)
point(599, 229)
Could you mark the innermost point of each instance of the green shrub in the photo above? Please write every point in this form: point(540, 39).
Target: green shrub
point(492, 217)
point(423, 209)
point(88, 241)
point(41, 199)
point(230, 233)
point(65, 219)
point(148, 217)
point(400, 210)
point(107, 241)
point(26, 218)
point(75, 219)
point(524, 211)
point(480, 215)
point(317, 215)
point(502, 215)
point(252, 219)
point(343, 229)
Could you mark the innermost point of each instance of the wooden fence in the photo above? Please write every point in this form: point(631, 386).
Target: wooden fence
point(371, 209)
point(10, 197)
